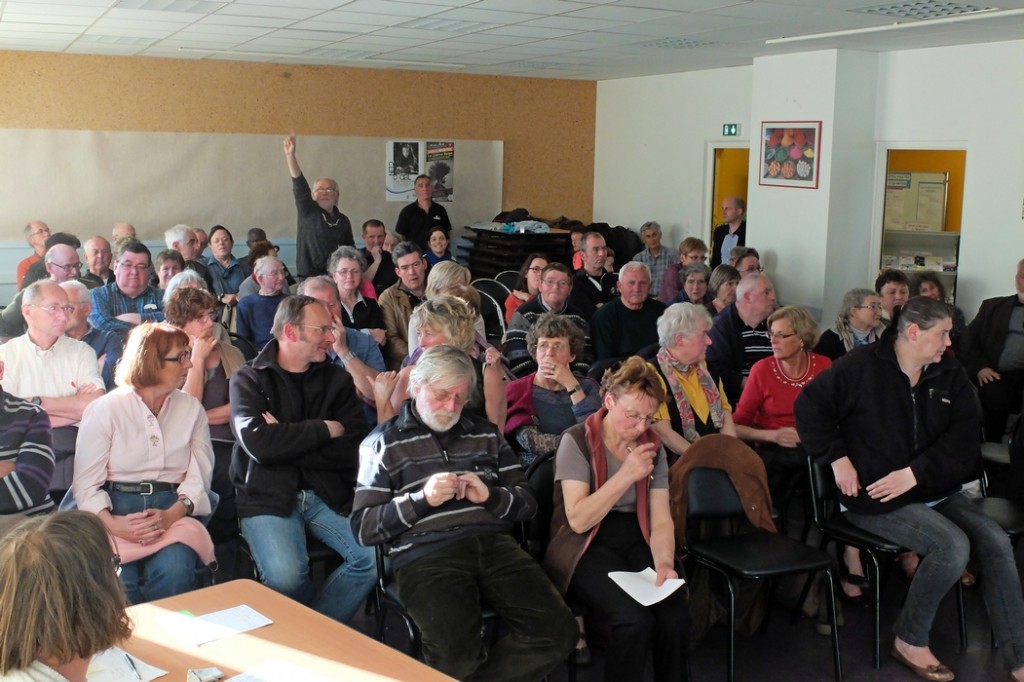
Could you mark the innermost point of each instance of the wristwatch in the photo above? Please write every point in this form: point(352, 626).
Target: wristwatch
point(575, 388)
point(188, 505)
point(37, 400)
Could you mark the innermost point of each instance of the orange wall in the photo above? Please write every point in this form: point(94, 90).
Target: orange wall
point(547, 125)
point(950, 161)
point(732, 165)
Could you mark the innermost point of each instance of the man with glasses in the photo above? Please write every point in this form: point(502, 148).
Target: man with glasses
point(441, 490)
point(398, 300)
point(321, 227)
point(552, 297)
point(40, 270)
point(62, 265)
point(739, 335)
point(731, 233)
point(298, 425)
point(748, 261)
point(107, 346)
point(36, 233)
point(130, 299)
point(52, 370)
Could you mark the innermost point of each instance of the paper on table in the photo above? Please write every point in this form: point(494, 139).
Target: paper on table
point(221, 624)
point(111, 666)
point(640, 586)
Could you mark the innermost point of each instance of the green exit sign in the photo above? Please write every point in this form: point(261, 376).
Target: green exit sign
point(730, 129)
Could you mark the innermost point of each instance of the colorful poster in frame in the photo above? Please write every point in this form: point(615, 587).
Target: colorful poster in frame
point(789, 153)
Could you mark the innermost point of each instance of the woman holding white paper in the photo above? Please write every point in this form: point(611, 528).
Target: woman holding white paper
point(611, 513)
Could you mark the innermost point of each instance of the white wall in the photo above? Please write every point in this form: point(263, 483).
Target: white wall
point(651, 144)
point(652, 135)
point(968, 96)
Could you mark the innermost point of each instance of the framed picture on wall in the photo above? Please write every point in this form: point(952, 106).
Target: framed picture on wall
point(789, 153)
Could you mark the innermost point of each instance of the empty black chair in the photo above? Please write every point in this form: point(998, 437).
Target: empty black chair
point(244, 345)
point(494, 318)
point(508, 278)
point(751, 556)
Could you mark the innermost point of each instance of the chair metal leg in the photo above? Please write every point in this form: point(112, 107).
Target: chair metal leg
point(962, 618)
point(836, 659)
point(731, 671)
point(876, 608)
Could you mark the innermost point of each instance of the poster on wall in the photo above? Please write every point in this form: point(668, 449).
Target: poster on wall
point(789, 153)
point(402, 165)
point(440, 161)
point(406, 159)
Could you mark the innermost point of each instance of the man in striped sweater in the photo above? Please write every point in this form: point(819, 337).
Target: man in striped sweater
point(26, 459)
point(440, 490)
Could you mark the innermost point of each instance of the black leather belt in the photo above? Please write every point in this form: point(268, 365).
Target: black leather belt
point(140, 488)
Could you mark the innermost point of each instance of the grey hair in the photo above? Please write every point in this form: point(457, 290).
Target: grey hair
point(693, 269)
point(442, 366)
point(651, 225)
point(34, 291)
point(318, 283)
point(635, 265)
point(852, 299)
point(923, 311)
point(403, 249)
point(681, 318)
point(349, 252)
point(291, 310)
point(78, 287)
point(587, 236)
point(183, 277)
point(176, 234)
point(263, 261)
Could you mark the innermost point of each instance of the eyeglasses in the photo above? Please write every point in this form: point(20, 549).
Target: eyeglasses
point(69, 268)
point(181, 358)
point(535, 268)
point(53, 308)
point(638, 418)
point(116, 559)
point(445, 396)
point(695, 257)
point(140, 268)
point(557, 347)
point(323, 330)
point(39, 232)
point(353, 272)
point(781, 336)
point(748, 270)
point(558, 283)
point(874, 306)
point(326, 190)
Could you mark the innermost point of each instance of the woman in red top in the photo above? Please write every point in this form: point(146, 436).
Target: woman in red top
point(527, 285)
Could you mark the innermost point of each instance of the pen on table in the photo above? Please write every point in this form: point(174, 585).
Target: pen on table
point(131, 664)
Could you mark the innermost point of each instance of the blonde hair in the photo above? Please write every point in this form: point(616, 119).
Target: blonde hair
point(803, 324)
point(444, 275)
point(450, 316)
point(59, 594)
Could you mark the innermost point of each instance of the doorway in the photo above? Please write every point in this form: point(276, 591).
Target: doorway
point(732, 166)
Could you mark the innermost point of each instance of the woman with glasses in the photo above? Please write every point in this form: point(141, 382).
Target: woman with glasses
point(359, 307)
point(527, 285)
point(858, 323)
point(543, 404)
point(143, 464)
point(611, 513)
point(60, 599)
point(696, 405)
point(214, 361)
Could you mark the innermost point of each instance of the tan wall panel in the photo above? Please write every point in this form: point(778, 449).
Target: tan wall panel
point(547, 126)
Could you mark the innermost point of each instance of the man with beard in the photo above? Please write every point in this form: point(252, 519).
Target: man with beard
point(441, 490)
point(298, 423)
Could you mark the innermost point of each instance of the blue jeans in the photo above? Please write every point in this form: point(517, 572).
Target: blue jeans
point(278, 545)
point(170, 571)
point(945, 535)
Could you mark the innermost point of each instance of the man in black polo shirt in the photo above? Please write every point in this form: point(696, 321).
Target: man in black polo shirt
point(380, 268)
point(321, 226)
point(593, 286)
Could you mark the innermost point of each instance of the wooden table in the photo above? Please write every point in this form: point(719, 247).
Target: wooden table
point(298, 635)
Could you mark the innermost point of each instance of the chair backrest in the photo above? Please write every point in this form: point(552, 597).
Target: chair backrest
point(494, 318)
point(246, 347)
point(711, 495)
point(541, 475)
point(824, 493)
point(507, 278)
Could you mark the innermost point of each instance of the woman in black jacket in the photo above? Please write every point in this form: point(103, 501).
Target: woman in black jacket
point(898, 422)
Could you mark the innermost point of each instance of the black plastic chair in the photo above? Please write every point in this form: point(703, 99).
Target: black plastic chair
point(244, 345)
point(751, 556)
point(494, 318)
point(508, 278)
point(833, 525)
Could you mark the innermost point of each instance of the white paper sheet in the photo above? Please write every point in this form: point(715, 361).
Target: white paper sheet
point(640, 586)
point(111, 666)
point(278, 671)
point(221, 624)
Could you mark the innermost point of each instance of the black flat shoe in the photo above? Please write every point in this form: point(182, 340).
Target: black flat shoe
point(861, 600)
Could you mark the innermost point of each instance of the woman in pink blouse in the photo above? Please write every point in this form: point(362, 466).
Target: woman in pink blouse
point(143, 464)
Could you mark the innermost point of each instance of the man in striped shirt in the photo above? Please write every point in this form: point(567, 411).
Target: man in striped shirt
point(440, 490)
point(739, 337)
